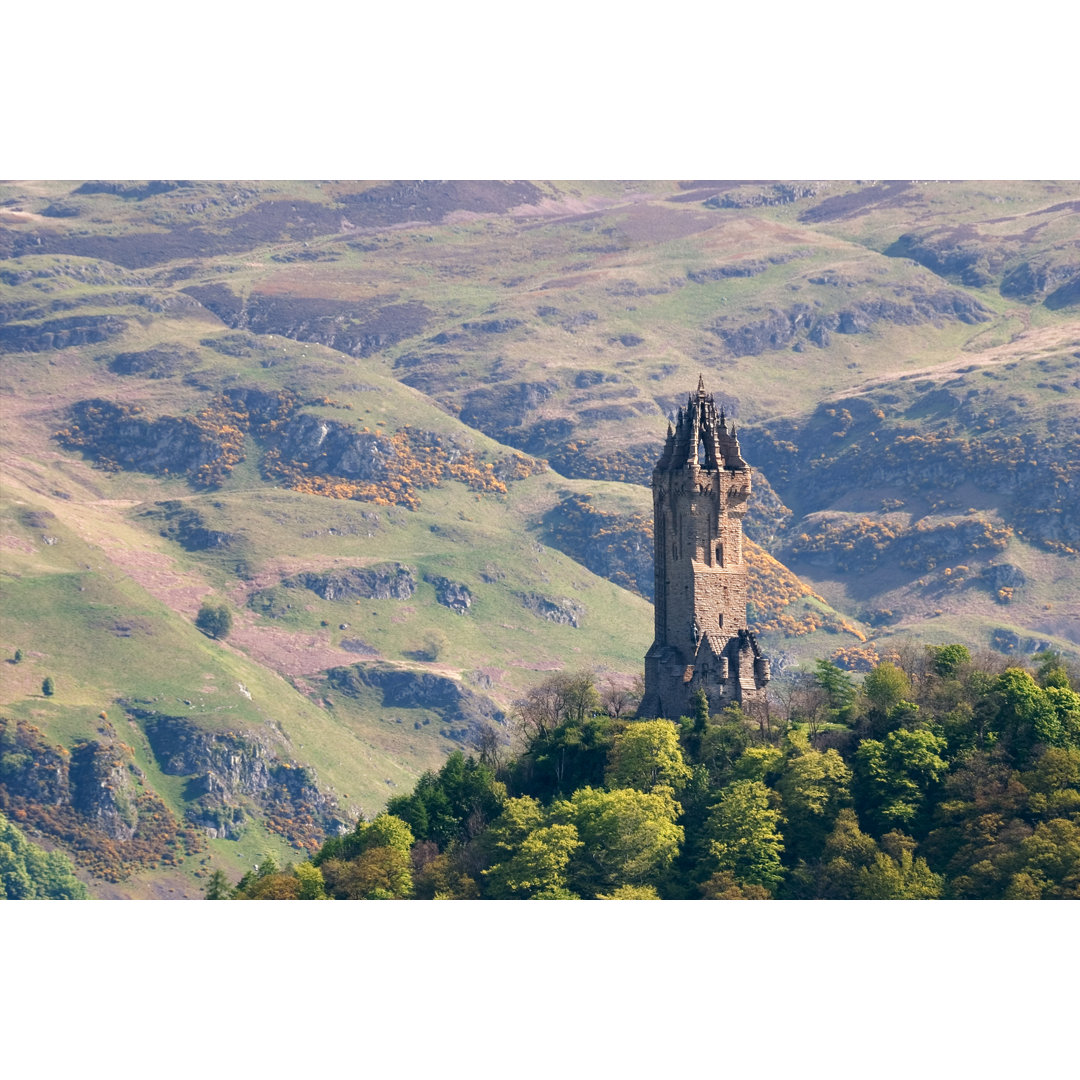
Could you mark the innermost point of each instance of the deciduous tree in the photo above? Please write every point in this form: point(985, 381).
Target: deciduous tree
point(645, 755)
point(744, 838)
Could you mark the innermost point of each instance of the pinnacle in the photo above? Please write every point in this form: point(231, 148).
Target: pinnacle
point(701, 383)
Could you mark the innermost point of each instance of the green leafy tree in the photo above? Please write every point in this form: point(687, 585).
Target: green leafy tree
point(379, 873)
point(744, 838)
point(508, 831)
point(814, 786)
point(312, 886)
point(28, 872)
point(848, 851)
point(1030, 715)
point(217, 887)
point(839, 689)
point(628, 837)
point(893, 777)
point(647, 755)
point(386, 830)
point(48, 687)
point(701, 711)
point(631, 892)
point(18, 656)
point(885, 687)
point(454, 805)
point(538, 869)
point(949, 659)
point(1047, 864)
point(214, 620)
point(897, 874)
point(758, 763)
point(573, 754)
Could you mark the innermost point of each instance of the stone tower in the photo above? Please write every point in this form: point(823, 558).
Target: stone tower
point(700, 487)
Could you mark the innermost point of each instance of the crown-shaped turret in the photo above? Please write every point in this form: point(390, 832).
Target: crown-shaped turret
point(701, 436)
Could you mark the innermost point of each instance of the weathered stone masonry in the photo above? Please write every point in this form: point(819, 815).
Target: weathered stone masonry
point(700, 488)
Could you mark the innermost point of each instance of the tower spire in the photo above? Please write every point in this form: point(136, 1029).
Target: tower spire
point(700, 383)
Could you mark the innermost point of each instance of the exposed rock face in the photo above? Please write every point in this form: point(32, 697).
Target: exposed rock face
point(93, 800)
point(458, 706)
point(226, 769)
point(188, 528)
point(336, 449)
point(563, 611)
point(451, 594)
point(102, 790)
point(937, 440)
point(60, 333)
point(801, 322)
point(618, 547)
point(153, 363)
point(389, 581)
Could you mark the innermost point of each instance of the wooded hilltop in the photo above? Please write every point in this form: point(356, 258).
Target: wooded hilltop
point(942, 777)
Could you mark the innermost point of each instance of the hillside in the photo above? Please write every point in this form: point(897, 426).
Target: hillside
point(404, 430)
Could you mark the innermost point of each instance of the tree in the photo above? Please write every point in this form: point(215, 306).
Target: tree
point(453, 805)
point(214, 620)
point(701, 711)
point(646, 755)
point(894, 776)
point(1047, 865)
point(311, 882)
point(723, 886)
point(48, 687)
point(814, 786)
point(948, 659)
point(896, 873)
point(560, 697)
point(386, 830)
point(743, 834)
point(628, 837)
point(17, 658)
point(28, 872)
point(838, 687)
point(885, 687)
point(217, 887)
point(1030, 715)
point(537, 870)
point(631, 892)
point(380, 873)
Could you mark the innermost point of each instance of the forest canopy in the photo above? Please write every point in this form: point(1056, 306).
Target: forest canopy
point(942, 776)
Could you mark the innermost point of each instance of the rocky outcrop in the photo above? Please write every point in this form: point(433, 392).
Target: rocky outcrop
point(60, 333)
point(187, 527)
point(803, 323)
point(154, 363)
point(462, 710)
point(451, 594)
point(92, 800)
point(387, 581)
point(230, 773)
point(563, 611)
point(616, 546)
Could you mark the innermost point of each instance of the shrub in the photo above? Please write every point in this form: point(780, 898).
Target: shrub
point(48, 687)
point(214, 620)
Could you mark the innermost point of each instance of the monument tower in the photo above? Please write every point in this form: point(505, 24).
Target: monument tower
point(700, 487)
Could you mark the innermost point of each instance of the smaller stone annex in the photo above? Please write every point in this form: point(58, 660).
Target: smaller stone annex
point(701, 486)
